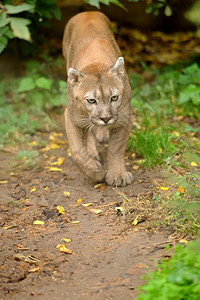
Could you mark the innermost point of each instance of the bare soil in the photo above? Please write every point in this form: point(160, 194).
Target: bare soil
point(108, 254)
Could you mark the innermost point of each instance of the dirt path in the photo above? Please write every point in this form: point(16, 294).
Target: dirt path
point(108, 256)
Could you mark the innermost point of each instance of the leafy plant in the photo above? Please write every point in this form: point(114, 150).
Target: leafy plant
point(151, 6)
point(178, 278)
point(24, 102)
point(18, 20)
point(171, 93)
point(106, 2)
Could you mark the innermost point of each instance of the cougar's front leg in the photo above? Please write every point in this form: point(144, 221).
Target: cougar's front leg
point(90, 166)
point(91, 146)
point(117, 174)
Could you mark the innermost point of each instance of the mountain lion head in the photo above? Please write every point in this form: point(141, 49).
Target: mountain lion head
point(98, 94)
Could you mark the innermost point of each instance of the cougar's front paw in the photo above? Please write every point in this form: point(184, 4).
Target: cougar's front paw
point(118, 179)
point(93, 164)
point(93, 169)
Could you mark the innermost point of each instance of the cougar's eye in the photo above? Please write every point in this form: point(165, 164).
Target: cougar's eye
point(114, 98)
point(91, 101)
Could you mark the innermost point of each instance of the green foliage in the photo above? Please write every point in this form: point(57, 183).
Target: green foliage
point(185, 195)
point(151, 6)
point(24, 102)
point(178, 278)
point(172, 93)
point(15, 19)
point(97, 3)
point(154, 145)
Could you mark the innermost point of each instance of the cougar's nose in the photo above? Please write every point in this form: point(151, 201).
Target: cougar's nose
point(105, 119)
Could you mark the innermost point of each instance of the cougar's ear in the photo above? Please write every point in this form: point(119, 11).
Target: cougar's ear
point(74, 76)
point(118, 68)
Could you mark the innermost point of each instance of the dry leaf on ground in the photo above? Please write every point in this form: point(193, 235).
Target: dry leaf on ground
point(95, 211)
point(38, 222)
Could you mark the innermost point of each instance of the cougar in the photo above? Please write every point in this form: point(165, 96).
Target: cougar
point(98, 107)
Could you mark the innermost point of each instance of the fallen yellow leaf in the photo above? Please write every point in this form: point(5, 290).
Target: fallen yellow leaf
point(181, 190)
point(162, 188)
point(97, 185)
point(54, 169)
point(75, 222)
point(135, 168)
point(95, 211)
point(67, 194)
point(194, 164)
point(33, 270)
point(183, 241)
point(58, 134)
point(135, 221)
point(60, 160)
point(63, 249)
point(33, 190)
point(50, 146)
point(3, 181)
point(38, 222)
point(60, 209)
point(79, 201)
point(54, 146)
point(87, 204)
point(60, 245)
point(51, 137)
point(100, 186)
point(66, 240)
point(46, 188)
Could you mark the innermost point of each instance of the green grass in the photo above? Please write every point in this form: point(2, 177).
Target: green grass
point(178, 278)
point(162, 137)
point(155, 146)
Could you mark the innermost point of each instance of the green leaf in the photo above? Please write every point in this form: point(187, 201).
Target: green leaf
point(37, 98)
point(9, 34)
point(149, 8)
point(6, 31)
point(3, 30)
point(93, 3)
point(3, 43)
point(44, 83)
point(15, 9)
point(20, 29)
point(57, 12)
point(191, 92)
point(26, 84)
point(3, 19)
point(168, 11)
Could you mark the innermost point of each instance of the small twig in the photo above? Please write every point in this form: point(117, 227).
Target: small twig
point(182, 137)
point(120, 193)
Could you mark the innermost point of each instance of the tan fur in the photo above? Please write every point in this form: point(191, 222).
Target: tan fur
point(98, 106)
